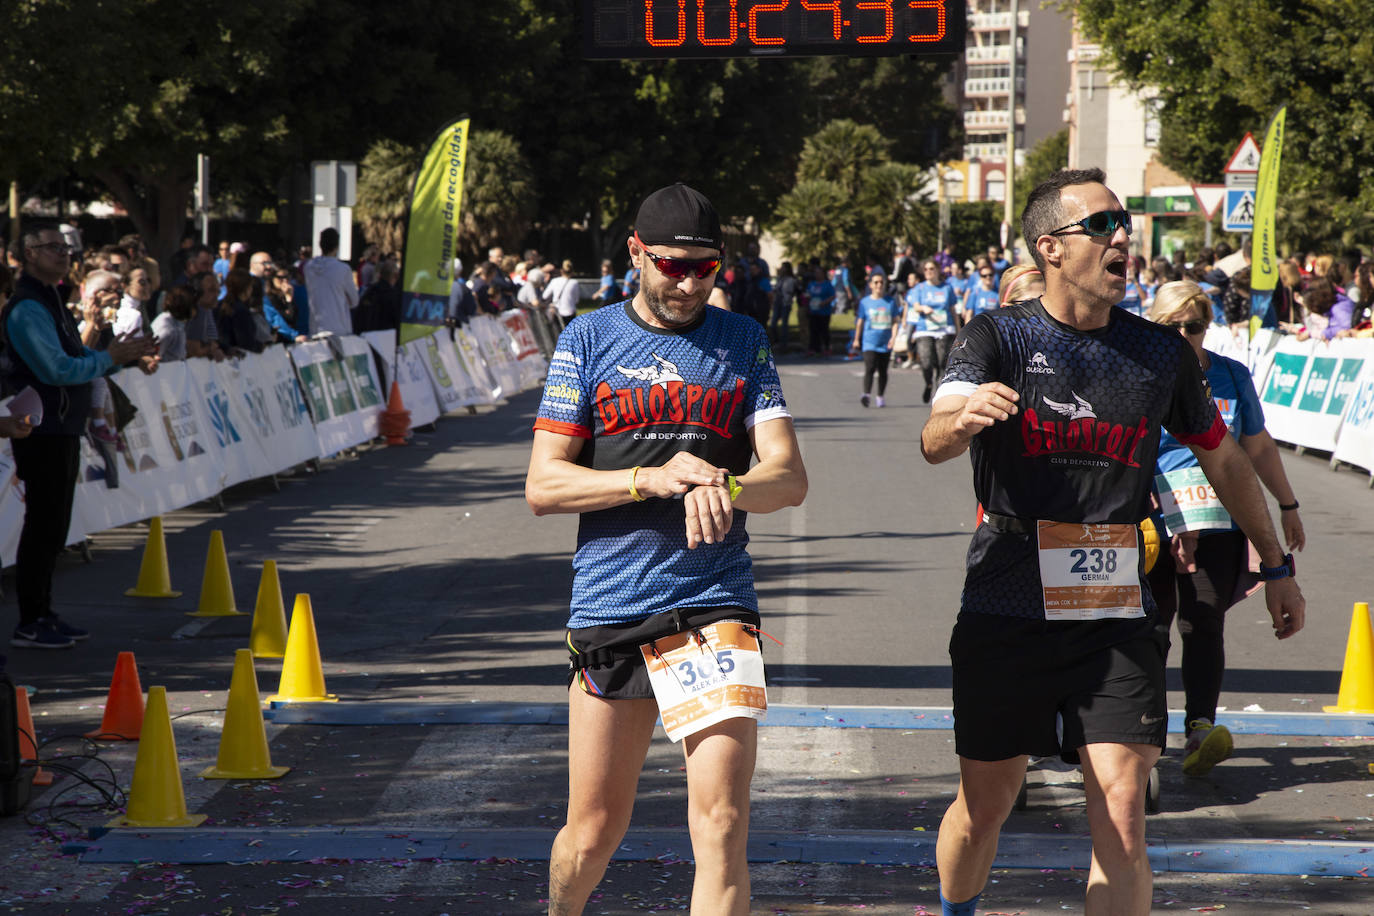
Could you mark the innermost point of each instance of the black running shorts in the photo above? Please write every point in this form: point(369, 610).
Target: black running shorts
point(1013, 675)
point(616, 670)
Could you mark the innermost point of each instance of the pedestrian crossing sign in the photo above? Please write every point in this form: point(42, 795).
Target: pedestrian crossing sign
point(1239, 215)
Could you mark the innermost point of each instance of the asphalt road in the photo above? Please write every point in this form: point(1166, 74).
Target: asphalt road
point(434, 586)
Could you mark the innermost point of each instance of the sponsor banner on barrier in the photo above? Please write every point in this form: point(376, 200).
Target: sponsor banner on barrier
point(341, 386)
point(470, 352)
point(1355, 444)
point(1309, 386)
point(453, 377)
point(524, 348)
point(494, 344)
point(417, 394)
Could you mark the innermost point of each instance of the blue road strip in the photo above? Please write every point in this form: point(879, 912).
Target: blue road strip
point(384, 712)
point(190, 846)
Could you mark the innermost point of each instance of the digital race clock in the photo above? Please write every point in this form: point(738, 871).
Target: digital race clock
point(763, 28)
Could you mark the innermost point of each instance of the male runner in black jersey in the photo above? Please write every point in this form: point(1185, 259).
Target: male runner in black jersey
point(1060, 402)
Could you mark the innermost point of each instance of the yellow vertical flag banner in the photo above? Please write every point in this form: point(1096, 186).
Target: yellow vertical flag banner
point(432, 233)
point(1264, 257)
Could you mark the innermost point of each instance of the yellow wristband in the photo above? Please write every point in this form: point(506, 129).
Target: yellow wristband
point(734, 487)
point(633, 492)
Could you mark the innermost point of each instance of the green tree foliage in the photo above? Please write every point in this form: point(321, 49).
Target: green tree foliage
point(1222, 67)
point(973, 226)
point(847, 181)
point(386, 179)
point(1044, 159)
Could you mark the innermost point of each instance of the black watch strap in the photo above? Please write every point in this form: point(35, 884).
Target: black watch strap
point(1282, 571)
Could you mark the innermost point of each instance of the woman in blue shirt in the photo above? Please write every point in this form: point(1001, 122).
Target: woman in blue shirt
point(1209, 568)
point(820, 302)
point(875, 329)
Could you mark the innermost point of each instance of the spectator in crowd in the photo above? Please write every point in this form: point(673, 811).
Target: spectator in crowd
point(329, 283)
point(45, 353)
point(903, 267)
point(944, 257)
point(462, 305)
point(845, 292)
point(280, 307)
point(101, 291)
point(222, 264)
point(367, 267)
point(202, 330)
point(1286, 308)
point(112, 258)
point(607, 291)
point(1235, 301)
point(169, 327)
point(139, 257)
point(133, 308)
point(531, 292)
point(198, 261)
point(483, 290)
point(234, 318)
point(563, 294)
point(380, 306)
point(783, 297)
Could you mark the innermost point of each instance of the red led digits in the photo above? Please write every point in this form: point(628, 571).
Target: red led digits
point(754, 35)
point(886, 7)
point(681, 26)
point(730, 29)
point(833, 6)
point(939, 7)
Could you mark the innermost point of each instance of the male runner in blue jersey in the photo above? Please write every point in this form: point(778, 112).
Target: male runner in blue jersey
point(1060, 401)
point(652, 412)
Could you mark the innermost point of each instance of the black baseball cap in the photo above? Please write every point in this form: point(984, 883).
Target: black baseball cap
point(681, 216)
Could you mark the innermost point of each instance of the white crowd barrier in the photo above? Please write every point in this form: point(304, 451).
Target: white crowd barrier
point(202, 426)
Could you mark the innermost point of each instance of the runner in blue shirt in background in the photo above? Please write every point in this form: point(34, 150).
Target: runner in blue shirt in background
point(983, 297)
point(930, 313)
point(875, 329)
point(820, 302)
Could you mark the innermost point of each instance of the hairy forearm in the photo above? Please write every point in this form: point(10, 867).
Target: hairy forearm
point(941, 439)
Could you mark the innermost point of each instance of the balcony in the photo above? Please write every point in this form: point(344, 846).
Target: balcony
point(986, 120)
point(985, 151)
point(997, 22)
point(993, 86)
point(985, 54)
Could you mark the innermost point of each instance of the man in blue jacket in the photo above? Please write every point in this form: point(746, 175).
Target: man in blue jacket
point(40, 348)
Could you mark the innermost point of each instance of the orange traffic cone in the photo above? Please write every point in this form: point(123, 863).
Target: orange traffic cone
point(1357, 677)
point(395, 420)
point(268, 637)
point(123, 719)
point(243, 750)
point(156, 798)
point(216, 588)
point(28, 738)
point(154, 580)
point(302, 679)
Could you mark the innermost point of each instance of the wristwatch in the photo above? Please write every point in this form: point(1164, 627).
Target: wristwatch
point(1282, 571)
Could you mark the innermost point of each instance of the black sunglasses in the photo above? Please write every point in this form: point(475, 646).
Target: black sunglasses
point(678, 268)
point(1196, 326)
point(1102, 224)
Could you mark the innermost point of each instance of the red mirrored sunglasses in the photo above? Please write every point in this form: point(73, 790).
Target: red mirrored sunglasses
point(678, 268)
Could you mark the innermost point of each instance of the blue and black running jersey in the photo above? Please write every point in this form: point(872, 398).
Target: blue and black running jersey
point(640, 395)
point(1082, 446)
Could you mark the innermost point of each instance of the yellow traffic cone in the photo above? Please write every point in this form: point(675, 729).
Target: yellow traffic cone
point(216, 589)
point(302, 680)
point(243, 750)
point(1357, 678)
point(268, 638)
point(156, 798)
point(154, 580)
